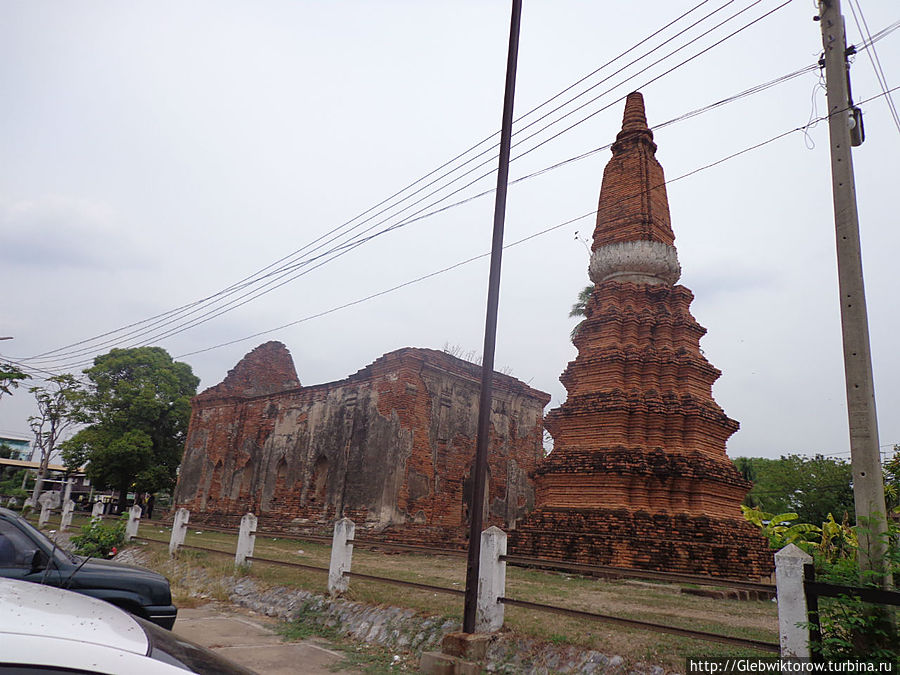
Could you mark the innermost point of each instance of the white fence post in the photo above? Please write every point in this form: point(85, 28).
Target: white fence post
point(491, 581)
point(67, 510)
point(179, 530)
point(341, 556)
point(45, 514)
point(134, 522)
point(246, 540)
point(97, 511)
point(792, 614)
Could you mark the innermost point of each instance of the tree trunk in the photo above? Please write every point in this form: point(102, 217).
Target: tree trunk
point(38, 488)
point(123, 499)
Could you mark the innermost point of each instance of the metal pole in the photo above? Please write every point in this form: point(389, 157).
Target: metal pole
point(490, 330)
point(865, 460)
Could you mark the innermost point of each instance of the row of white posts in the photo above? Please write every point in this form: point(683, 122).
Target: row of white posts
point(789, 565)
point(68, 509)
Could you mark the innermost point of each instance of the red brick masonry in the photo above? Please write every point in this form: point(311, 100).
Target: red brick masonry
point(389, 447)
point(638, 476)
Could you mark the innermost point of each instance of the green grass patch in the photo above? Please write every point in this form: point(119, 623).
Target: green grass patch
point(654, 602)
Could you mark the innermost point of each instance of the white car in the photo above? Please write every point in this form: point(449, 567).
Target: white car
point(48, 630)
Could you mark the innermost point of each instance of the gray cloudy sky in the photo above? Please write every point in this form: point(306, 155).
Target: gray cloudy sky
point(155, 153)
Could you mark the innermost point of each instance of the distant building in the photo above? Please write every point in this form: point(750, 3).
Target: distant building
point(21, 445)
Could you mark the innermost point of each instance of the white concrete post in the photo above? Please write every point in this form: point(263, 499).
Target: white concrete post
point(68, 509)
point(792, 615)
point(179, 530)
point(246, 541)
point(97, 511)
point(67, 495)
point(134, 522)
point(45, 513)
point(491, 581)
point(341, 556)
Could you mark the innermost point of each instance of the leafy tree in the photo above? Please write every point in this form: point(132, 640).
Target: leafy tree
point(6, 451)
point(811, 487)
point(580, 307)
point(59, 404)
point(851, 629)
point(892, 480)
point(9, 378)
point(137, 407)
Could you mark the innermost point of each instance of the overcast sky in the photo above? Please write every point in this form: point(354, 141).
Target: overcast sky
point(155, 153)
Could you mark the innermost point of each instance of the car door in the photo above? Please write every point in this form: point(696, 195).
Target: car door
point(17, 557)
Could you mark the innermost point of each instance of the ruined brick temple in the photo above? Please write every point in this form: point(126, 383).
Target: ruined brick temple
point(390, 446)
point(638, 475)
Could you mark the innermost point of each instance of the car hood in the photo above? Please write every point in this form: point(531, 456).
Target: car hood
point(97, 573)
point(30, 609)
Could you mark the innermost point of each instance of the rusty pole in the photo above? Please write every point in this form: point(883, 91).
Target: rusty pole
point(490, 329)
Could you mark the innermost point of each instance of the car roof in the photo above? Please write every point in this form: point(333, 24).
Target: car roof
point(31, 609)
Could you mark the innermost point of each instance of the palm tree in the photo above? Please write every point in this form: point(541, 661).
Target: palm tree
point(580, 307)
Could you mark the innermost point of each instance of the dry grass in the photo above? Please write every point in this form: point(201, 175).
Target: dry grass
point(657, 603)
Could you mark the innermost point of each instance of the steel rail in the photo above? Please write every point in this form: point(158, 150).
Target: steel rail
point(285, 563)
point(411, 584)
point(873, 595)
point(186, 546)
point(521, 561)
point(407, 547)
point(646, 625)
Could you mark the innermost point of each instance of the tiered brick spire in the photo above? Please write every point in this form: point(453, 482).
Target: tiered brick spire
point(638, 476)
point(633, 202)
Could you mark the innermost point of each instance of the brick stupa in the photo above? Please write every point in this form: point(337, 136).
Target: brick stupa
point(638, 476)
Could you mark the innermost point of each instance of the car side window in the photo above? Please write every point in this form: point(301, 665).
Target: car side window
point(14, 546)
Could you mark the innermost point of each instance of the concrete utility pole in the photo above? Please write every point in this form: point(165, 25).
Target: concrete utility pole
point(868, 485)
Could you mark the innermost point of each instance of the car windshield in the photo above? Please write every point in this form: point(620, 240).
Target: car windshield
point(62, 555)
point(167, 647)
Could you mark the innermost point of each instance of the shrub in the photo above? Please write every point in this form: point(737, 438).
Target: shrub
point(98, 540)
point(851, 629)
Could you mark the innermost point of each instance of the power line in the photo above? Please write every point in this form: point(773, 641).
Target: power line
point(875, 61)
point(589, 214)
point(286, 270)
point(716, 163)
point(685, 116)
point(570, 221)
point(346, 247)
point(256, 275)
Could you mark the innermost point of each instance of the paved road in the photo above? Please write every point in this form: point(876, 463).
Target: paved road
point(251, 641)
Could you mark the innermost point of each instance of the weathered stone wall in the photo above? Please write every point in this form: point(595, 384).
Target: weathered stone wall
point(390, 446)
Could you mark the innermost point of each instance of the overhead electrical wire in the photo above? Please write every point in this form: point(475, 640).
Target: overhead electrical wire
point(350, 245)
point(340, 250)
point(873, 58)
point(684, 116)
point(534, 235)
point(55, 354)
point(570, 221)
point(388, 199)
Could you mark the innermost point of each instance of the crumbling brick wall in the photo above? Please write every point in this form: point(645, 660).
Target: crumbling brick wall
point(390, 446)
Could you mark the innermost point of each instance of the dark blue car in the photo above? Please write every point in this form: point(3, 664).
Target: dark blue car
point(27, 554)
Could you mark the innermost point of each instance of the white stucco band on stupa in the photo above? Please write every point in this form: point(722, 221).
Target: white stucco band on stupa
point(642, 262)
